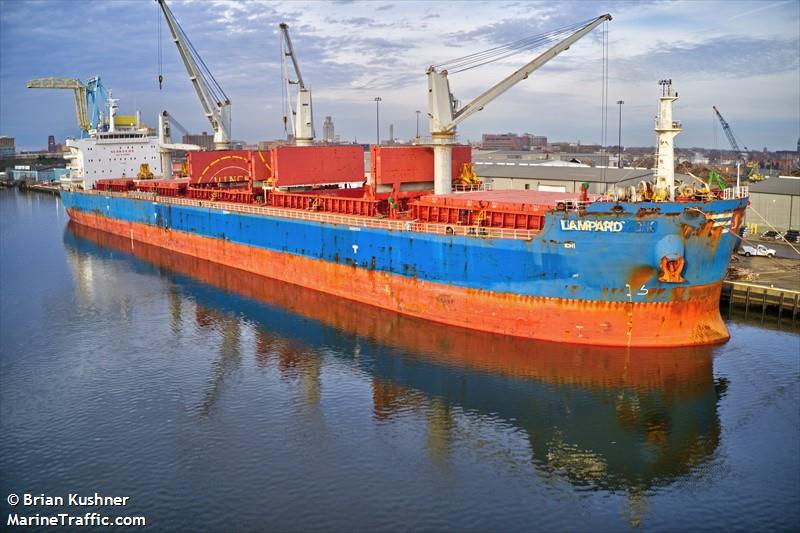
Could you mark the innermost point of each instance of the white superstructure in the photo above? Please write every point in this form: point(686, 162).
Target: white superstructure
point(121, 149)
point(114, 153)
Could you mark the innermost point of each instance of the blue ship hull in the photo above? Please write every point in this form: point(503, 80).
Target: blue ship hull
point(608, 274)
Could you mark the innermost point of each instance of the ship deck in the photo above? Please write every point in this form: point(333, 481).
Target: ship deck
point(329, 218)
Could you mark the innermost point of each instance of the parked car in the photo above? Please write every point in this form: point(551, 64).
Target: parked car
point(771, 235)
point(756, 250)
point(792, 235)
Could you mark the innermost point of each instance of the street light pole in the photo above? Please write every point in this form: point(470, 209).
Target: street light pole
point(377, 120)
point(619, 141)
point(417, 126)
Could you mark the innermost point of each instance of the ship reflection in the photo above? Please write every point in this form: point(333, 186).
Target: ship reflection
point(601, 418)
point(230, 355)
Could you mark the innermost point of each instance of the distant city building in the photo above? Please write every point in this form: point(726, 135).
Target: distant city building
point(7, 147)
point(328, 132)
point(538, 141)
point(204, 140)
point(785, 161)
point(267, 145)
point(51, 143)
point(505, 141)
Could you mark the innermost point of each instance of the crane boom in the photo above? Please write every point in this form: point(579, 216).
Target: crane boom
point(79, 91)
point(520, 74)
point(442, 105)
point(303, 115)
point(216, 105)
point(285, 31)
point(729, 134)
point(92, 94)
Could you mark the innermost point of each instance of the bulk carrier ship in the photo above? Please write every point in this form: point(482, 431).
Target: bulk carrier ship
point(636, 267)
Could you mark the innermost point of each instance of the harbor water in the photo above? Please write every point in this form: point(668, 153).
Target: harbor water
point(217, 400)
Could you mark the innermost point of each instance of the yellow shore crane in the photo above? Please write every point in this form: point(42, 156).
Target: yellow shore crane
point(75, 85)
point(91, 93)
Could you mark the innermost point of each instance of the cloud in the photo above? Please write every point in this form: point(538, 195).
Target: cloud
point(726, 58)
point(350, 52)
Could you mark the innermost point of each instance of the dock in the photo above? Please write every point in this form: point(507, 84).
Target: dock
point(775, 294)
point(42, 187)
point(759, 300)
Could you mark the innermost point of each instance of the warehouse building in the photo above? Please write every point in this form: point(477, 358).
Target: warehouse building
point(776, 200)
point(560, 176)
point(28, 173)
point(589, 159)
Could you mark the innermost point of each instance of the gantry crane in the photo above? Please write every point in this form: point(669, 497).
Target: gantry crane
point(216, 104)
point(742, 154)
point(302, 116)
point(443, 109)
point(89, 95)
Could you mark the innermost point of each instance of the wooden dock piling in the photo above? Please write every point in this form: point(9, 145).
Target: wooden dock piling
point(773, 300)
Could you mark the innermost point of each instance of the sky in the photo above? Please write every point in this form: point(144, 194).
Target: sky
point(742, 56)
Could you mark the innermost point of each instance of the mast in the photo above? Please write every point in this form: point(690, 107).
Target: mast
point(666, 130)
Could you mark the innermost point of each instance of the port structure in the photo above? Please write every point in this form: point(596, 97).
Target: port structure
point(89, 95)
point(731, 137)
point(302, 122)
point(216, 104)
point(443, 108)
point(742, 153)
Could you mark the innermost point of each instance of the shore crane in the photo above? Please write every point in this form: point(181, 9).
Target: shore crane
point(443, 111)
point(216, 104)
point(302, 115)
point(731, 138)
point(753, 173)
point(89, 95)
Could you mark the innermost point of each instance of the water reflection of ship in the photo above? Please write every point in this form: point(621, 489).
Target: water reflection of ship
point(600, 417)
point(230, 355)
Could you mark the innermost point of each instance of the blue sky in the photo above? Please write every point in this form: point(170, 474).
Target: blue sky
point(743, 57)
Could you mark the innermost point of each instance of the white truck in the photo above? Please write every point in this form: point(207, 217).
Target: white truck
point(756, 250)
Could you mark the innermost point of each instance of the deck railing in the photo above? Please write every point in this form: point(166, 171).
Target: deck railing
point(351, 221)
point(732, 193)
